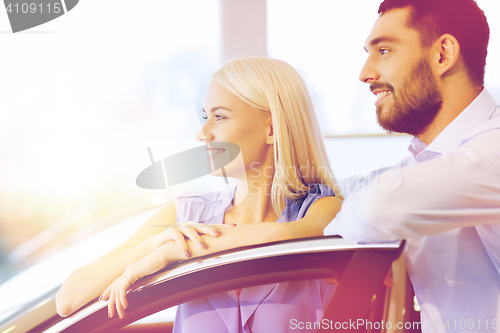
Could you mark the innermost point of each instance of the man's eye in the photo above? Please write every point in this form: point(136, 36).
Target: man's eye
point(383, 51)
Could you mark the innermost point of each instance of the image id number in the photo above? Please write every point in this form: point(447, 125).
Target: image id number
point(470, 324)
point(25, 8)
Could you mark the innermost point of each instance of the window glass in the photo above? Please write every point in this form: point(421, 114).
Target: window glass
point(324, 40)
point(74, 90)
point(491, 79)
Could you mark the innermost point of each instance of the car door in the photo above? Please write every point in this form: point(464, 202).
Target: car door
point(358, 268)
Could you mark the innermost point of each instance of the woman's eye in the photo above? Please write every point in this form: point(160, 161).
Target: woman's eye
point(383, 51)
point(216, 116)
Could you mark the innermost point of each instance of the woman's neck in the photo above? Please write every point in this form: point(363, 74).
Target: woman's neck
point(252, 200)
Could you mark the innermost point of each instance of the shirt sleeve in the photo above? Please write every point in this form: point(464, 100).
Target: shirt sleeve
point(297, 209)
point(350, 185)
point(455, 190)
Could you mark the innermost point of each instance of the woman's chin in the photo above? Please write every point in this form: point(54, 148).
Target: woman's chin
point(229, 173)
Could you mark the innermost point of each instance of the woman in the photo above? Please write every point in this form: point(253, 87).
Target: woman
point(263, 106)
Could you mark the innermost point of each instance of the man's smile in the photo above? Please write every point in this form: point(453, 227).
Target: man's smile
point(381, 94)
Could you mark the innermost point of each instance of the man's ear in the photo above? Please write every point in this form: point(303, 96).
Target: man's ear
point(446, 52)
point(270, 131)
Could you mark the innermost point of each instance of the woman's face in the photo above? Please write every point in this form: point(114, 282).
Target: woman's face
point(229, 119)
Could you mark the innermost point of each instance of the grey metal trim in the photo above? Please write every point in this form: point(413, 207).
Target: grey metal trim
point(321, 244)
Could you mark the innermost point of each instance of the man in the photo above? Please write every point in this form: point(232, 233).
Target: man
point(425, 64)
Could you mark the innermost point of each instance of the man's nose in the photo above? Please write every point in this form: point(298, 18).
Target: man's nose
point(368, 72)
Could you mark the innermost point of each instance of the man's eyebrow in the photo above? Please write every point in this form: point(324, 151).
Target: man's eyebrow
point(215, 108)
point(382, 39)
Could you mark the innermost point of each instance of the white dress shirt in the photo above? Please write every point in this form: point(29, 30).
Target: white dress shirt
point(445, 200)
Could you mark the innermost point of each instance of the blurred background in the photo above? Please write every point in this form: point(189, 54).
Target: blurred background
point(78, 93)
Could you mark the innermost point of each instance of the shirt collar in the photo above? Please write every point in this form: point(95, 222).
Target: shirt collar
point(481, 109)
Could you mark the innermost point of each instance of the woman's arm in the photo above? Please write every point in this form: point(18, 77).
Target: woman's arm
point(318, 216)
point(87, 282)
point(321, 212)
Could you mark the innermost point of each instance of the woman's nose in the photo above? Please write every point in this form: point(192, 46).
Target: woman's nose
point(204, 134)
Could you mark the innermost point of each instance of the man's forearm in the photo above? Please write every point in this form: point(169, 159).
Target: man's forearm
point(417, 201)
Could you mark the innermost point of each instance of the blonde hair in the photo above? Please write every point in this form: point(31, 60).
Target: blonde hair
point(300, 159)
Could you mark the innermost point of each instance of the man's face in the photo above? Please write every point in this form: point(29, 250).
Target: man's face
point(399, 74)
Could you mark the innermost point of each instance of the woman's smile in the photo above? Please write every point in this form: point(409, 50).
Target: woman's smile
point(215, 151)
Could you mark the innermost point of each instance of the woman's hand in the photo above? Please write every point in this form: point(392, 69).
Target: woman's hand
point(117, 293)
point(180, 232)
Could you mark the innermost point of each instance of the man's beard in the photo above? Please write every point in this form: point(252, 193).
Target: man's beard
point(415, 104)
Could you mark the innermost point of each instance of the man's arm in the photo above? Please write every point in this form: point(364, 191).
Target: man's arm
point(457, 190)
point(352, 184)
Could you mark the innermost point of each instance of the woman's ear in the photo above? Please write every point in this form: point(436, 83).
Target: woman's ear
point(446, 52)
point(270, 131)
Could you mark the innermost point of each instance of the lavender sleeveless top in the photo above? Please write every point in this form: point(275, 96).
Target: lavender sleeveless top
point(276, 308)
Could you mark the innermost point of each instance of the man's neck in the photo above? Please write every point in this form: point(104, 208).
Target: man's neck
point(455, 100)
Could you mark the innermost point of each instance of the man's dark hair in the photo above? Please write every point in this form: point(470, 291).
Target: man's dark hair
point(461, 18)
